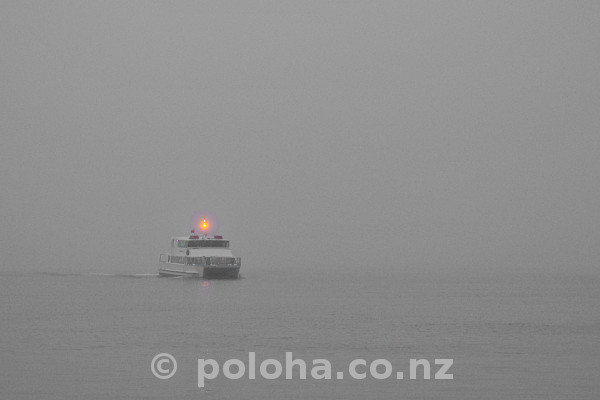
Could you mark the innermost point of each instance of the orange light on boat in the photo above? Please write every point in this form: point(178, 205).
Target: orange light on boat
point(204, 225)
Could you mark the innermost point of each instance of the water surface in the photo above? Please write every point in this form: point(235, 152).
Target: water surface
point(92, 336)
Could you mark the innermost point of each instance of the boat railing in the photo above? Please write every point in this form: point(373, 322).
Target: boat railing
point(214, 261)
point(205, 261)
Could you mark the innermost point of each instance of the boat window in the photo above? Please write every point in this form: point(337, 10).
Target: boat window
point(207, 243)
point(177, 260)
point(203, 243)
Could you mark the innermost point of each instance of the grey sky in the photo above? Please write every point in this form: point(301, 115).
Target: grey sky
point(385, 135)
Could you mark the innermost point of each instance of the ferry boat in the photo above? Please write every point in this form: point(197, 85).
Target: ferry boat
point(200, 256)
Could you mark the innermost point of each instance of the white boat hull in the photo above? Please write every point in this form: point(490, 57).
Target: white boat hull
point(199, 271)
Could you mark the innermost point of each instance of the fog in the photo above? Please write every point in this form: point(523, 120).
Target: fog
point(383, 136)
